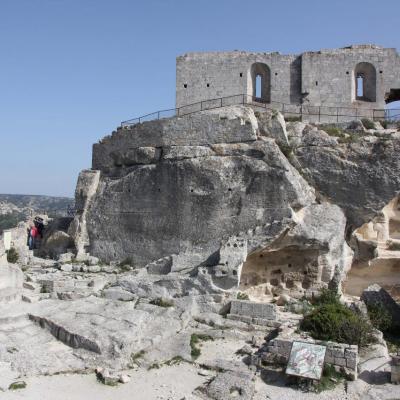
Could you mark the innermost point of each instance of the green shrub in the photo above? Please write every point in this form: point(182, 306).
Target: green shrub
point(380, 318)
point(242, 296)
point(12, 255)
point(17, 385)
point(329, 379)
point(384, 124)
point(368, 124)
point(336, 322)
point(333, 130)
point(327, 296)
point(174, 361)
point(195, 339)
point(293, 119)
point(135, 357)
point(160, 302)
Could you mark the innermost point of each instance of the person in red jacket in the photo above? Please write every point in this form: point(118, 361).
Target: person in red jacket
point(32, 238)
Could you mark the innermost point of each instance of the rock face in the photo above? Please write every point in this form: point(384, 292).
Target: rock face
point(361, 176)
point(215, 192)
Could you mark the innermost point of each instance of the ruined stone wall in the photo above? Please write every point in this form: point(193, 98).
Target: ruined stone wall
point(202, 76)
point(323, 78)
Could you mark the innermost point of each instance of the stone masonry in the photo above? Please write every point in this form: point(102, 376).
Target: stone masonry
point(326, 78)
point(253, 313)
point(343, 356)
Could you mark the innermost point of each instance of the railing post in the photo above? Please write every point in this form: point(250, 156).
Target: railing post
point(221, 101)
point(337, 114)
point(301, 112)
point(177, 112)
point(319, 113)
point(158, 115)
point(243, 99)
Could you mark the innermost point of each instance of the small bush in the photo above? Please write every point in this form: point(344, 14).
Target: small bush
point(329, 379)
point(333, 130)
point(331, 320)
point(368, 124)
point(195, 339)
point(12, 255)
point(380, 318)
point(242, 296)
point(154, 366)
point(293, 119)
point(17, 385)
point(174, 361)
point(335, 322)
point(327, 296)
point(160, 302)
point(136, 356)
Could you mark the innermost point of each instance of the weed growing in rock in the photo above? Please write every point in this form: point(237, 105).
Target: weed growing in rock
point(135, 357)
point(160, 302)
point(380, 318)
point(12, 255)
point(17, 385)
point(329, 379)
point(242, 296)
point(293, 119)
point(174, 361)
point(154, 366)
point(368, 124)
point(195, 340)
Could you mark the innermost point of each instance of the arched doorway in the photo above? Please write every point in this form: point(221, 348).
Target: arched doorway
point(260, 76)
point(364, 82)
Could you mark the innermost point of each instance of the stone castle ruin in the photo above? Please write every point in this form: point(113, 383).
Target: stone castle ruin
point(221, 225)
point(347, 82)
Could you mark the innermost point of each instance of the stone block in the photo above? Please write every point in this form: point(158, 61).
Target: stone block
point(341, 362)
point(255, 310)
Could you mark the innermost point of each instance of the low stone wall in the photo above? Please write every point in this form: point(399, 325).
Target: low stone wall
point(253, 313)
point(343, 356)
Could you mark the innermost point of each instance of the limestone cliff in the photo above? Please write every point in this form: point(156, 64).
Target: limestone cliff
point(205, 191)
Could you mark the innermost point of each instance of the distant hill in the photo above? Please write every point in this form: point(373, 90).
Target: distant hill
point(17, 207)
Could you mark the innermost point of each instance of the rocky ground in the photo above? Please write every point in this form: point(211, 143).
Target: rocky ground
point(76, 317)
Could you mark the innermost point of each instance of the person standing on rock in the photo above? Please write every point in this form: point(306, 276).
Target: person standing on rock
point(32, 238)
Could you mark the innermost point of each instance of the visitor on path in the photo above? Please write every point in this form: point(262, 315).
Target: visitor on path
point(32, 237)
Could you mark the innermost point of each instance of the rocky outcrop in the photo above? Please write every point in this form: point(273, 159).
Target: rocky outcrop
point(221, 194)
point(358, 172)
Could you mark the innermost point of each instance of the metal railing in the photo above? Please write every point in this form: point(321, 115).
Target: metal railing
point(318, 113)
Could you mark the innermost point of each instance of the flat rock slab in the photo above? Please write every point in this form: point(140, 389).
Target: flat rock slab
point(110, 330)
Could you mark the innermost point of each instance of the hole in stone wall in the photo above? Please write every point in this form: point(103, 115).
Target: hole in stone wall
point(185, 85)
point(347, 72)
point(316, 83)
point(208, 85)
point(360, 86)
point(241, 74)
point(258, 86)
point(381, 72)
point(276, 73)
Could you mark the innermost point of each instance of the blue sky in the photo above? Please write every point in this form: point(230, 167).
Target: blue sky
point(71, 70)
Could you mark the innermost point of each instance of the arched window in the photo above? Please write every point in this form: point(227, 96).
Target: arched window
point(260, 75)
point(365, 82)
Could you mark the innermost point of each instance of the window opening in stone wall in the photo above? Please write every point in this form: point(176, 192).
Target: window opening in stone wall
point(260, 82)
point(365, 82)
point(241, 74)
point(258, 86)
point(185, 85)
point(360, 86)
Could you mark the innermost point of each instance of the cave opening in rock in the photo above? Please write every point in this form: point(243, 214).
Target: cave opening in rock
point(268, 273)
point(376, 246)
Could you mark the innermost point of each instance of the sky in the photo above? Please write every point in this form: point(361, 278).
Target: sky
point(72, 70)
